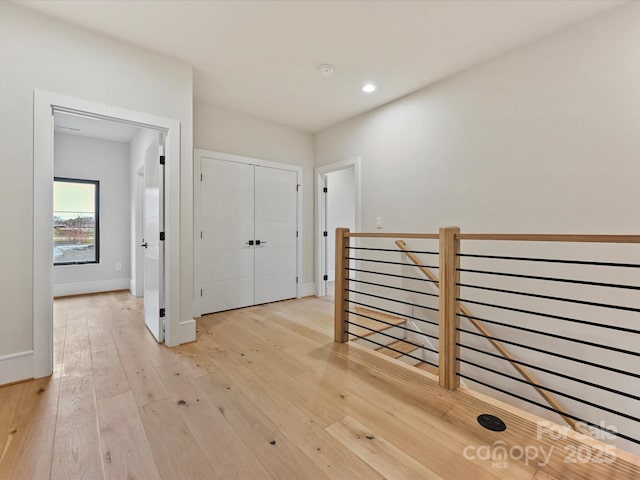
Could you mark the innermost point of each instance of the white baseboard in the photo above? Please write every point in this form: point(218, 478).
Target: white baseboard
point(65, 289)
point(132, 287)
point(16, 367)
point(308, 289)
point(186, 332)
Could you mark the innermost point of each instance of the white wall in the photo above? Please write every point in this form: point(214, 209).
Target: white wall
point(108, 162)
point(542, 140)
point(53, 56)
point(230, 132)
point(341, 210)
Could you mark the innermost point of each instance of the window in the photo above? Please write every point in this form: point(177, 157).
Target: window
point(76, 221)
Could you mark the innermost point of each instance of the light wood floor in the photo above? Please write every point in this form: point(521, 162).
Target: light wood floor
point(263, 394)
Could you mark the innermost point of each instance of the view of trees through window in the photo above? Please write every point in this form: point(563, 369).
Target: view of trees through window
point(75, 221)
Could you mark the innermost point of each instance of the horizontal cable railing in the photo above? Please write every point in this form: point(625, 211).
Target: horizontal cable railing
point(554, 315)
point(576, 316)
point(384, 302)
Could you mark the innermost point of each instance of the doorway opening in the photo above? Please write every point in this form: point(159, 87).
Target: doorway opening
point(337, 205)
point(96, 163)
point(118, 258)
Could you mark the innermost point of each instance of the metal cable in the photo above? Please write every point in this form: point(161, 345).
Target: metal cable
point(549, 297)
point(386, 346)
point(393, 313)
point(550, 279)
point(554, 354)
point(553, 335)
point(392, 324)
point(550, 260)
point(552, 372)
point(391, 275)
point(556, 317)
point(547, 407)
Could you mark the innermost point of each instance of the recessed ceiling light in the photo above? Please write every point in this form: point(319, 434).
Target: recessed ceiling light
point(369, 88)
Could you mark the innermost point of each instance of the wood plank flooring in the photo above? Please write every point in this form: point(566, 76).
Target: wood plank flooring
point(263, 394)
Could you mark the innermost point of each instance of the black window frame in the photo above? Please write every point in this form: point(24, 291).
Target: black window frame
point(96, 184)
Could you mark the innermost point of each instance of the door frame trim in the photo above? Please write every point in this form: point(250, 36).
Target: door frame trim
point(198, 155)
point(321, 210)
point(44, 104)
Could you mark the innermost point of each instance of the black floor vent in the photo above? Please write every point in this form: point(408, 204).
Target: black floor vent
point(491, 422)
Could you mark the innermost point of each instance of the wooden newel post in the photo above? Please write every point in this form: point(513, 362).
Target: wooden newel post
point(341, 285)
point(449, 304)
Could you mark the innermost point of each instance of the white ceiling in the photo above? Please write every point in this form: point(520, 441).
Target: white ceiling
point(94, 128)
point(261, 57)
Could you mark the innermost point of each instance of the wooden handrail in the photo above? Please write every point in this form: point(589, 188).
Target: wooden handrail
point(517, 237)
point(432, 236)
point(504, 351)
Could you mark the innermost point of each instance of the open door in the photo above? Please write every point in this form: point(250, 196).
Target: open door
point(153, 246)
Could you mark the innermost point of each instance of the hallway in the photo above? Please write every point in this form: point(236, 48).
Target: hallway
point(263, 394)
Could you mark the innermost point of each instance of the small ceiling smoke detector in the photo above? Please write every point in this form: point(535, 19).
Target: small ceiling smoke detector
point(369, 88)
point(326, 69)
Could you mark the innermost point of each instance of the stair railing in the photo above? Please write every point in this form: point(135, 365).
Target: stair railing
point(525, 288)
point(450, 327)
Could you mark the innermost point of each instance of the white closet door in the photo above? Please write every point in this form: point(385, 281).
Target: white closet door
point(275, 229)
point(227, 268)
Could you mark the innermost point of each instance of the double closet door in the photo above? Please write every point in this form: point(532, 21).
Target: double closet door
point(249, 234)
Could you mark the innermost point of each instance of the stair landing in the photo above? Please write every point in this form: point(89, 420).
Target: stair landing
point(371, 326)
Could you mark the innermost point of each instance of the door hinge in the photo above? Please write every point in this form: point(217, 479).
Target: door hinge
point(200, 234)
point(200, 292)
point(325, 234)
point(162, 159)
point(162, 236)
point(297, 187)
point(296, 233)
point(200, 177)
point(161, 312)
point(296, 279)
point(324, 189)
point(326, 277)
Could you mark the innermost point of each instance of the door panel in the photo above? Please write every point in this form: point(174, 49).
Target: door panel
point(227, 269)
point(154, 251)
point(276, 225)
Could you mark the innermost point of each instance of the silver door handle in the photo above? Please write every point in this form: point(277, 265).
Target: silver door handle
point(260, 242)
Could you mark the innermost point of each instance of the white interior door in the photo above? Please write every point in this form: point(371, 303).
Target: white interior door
point(248, 239)
point(276, 221)
point(227, 238)
point(154, 248)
